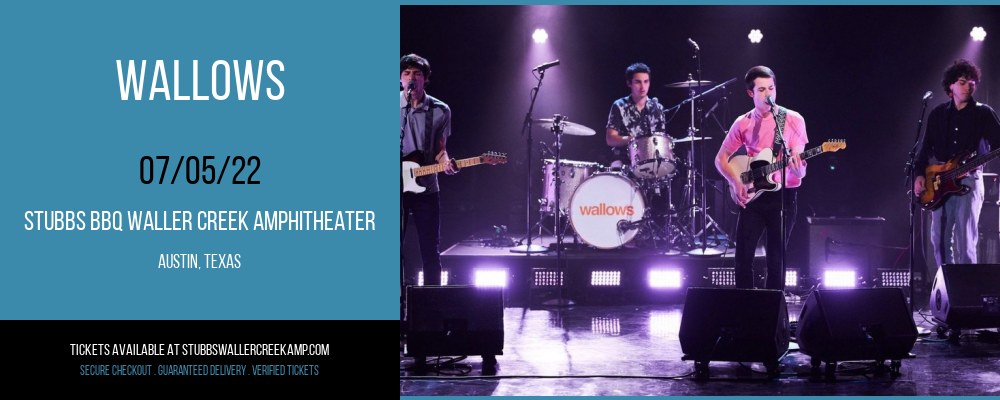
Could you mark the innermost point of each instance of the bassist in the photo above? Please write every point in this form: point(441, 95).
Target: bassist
point(957, 127)
point(755, 130)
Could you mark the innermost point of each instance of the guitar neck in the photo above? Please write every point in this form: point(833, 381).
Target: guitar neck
point(437, 168)
point(813, 152)
point(975, 163)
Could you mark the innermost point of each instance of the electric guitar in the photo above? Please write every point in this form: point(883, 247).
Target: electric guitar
point(412, 170)
point(941, 180)
point(764, 175)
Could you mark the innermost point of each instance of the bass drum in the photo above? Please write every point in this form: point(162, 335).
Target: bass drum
point(603, 208)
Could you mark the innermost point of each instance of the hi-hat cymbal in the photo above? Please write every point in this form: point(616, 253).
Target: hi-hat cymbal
point(688, 84)
point(691, 139)
point(568, 128)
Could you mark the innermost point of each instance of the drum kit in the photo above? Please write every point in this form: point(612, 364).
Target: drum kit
point(611, 208)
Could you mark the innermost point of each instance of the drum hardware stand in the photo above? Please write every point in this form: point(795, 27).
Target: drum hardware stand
point(710, 223)
point(529, 248)
point(561, 301)
point(671, 231)
point(691, 202)
point(690, 189)
point(540, 225)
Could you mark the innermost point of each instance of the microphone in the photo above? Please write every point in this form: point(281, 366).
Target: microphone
point(409, 89)
point(693, 44)
point(710, 110)
point(770, 101)
point(928, 95)
point(625, 226)
point(546, 66)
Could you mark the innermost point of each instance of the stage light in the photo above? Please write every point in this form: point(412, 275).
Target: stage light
point(722, 277)
point(839, 278)
point(605, 278)
point(978, 34)
point(444, 278)
point(792, 278)
point(755, 36)
point(540, 35)
point(548, 277)
point(895, 278)
point(490, 278)
point(664, 278)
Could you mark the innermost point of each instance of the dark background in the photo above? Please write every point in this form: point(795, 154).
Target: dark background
point(855, 73)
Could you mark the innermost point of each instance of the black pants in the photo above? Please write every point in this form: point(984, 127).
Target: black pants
point(426, 211)
point(760, 216)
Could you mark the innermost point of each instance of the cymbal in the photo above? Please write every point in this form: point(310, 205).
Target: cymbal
point(691, 139)
point(688, 84)
point(568, 128)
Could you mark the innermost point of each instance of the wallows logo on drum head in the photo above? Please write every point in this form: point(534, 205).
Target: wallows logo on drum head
point(604, 209)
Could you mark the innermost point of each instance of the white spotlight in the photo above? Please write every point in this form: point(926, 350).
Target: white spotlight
point(755, 36)
point(978, 34)
point(540, 35)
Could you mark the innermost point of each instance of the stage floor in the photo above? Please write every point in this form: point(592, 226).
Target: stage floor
point(636, 351)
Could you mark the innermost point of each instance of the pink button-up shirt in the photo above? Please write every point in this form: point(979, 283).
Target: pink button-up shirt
point(757, 133)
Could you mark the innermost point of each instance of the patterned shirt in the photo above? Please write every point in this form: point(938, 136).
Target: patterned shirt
point(628, 120)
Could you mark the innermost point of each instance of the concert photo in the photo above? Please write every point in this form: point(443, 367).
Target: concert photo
point(619, 200)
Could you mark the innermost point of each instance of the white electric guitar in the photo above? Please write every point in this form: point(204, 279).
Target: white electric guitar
point(763, 174)
point(413, 170)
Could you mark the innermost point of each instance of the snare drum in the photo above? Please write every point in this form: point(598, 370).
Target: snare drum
point(603, 209)
point(652, 157)
point(572, 174)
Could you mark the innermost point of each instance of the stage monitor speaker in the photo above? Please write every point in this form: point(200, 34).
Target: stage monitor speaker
point(964, 296)
point(734, 325)
point(454, 321)
point(856, 324)
point(853, 242)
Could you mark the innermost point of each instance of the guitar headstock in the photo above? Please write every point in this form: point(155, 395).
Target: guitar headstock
point(494, 158)
point(834, 145)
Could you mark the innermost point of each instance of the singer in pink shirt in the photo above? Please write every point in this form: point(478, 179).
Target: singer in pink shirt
point(755, 130)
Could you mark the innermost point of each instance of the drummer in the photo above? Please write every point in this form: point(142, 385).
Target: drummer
point(635, 115)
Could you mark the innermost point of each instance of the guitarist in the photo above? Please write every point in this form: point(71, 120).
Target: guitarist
point(755, 130)
point(425, 124)
point(957, 126)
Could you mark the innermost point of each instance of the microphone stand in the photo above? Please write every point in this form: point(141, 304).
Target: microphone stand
point(561, 301)
point(402, 224)
point(910, 178)
point(528, 248)
point(784, 188)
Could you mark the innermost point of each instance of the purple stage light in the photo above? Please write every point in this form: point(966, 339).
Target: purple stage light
point(490, 278)
point(792, 278)
point(444, 278)
point(605, 278)
point(665, 278)
point(839, 278)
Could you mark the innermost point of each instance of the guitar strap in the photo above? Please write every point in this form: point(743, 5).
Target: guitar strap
point(779, 131)
point(429, 144)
